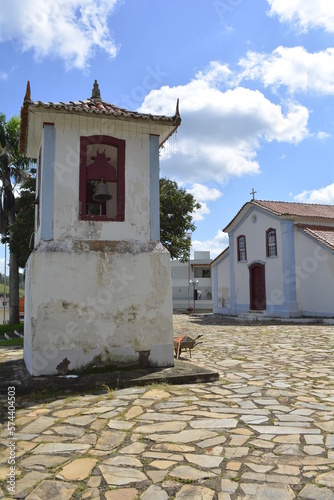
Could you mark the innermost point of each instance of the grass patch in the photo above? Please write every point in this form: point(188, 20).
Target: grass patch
point(163, 386)
point(10, 328)
point(181, 481)
point(11, 342)
point(16, 341)
point(111, 392)
point(81, 489)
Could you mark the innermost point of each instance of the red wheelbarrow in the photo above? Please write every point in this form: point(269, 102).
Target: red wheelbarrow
point(185, 342)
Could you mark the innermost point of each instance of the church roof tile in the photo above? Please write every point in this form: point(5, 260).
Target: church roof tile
point(323, 234)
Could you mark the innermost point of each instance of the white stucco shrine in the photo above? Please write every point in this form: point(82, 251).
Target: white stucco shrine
point(98, 281)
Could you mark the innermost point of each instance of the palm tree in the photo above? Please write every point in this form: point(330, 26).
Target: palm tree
point(13, 169)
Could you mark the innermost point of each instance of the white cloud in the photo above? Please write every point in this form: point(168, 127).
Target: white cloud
point(215, 73)
point(3, 75)
point(200, 213)
point(305, 14)
point(216, 245)
point(203, 193)
point(324, 196)
point(67, 29)
point(293, 67)
point(323, 135)
point(221, 131)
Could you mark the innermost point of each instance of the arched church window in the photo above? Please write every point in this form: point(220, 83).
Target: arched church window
point(242, 254)
point(271, 242)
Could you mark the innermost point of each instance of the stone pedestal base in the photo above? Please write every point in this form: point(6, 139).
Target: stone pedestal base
point(97, 303)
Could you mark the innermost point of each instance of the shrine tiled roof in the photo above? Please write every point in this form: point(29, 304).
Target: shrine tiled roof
point(100, 107)
point(323, 234)
point(94, 106)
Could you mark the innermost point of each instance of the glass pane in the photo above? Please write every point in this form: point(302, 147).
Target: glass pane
point(197, 272)
point(271, 243)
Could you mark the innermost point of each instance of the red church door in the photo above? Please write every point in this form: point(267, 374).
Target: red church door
point(257, 287)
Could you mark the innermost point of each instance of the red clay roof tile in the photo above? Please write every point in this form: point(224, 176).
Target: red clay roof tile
point(290, 209)
point(94, 105)
point(323, 234)
point(297, 209)
point(101, 107)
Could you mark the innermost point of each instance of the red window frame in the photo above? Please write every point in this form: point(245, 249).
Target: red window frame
point(120, 176)
point(271, 230)
point(240, 238)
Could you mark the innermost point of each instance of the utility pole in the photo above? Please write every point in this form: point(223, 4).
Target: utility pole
point(189, 238)
point(5, 286)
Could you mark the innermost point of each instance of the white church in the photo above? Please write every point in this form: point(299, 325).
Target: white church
point(280, 261)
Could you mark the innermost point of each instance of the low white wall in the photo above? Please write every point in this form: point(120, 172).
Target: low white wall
point(97, 302)
point(199, 304)
point(221, 286)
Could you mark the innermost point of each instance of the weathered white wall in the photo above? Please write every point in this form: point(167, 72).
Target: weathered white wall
point(315, 277)
point(89, 305)
point(66, 220)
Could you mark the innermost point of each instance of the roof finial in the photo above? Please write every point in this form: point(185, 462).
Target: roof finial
point(96, 94)
point(253, 193)
point(27, 97)
point(177, 112)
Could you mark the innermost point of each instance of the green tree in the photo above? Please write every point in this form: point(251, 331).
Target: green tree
point(21, 243)
point(13, 169)
point(176, 212)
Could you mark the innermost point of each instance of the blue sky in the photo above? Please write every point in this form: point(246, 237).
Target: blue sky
point(255, 79)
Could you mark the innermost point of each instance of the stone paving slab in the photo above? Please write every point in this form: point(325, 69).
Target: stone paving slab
point(183, 371)
point(263, 430)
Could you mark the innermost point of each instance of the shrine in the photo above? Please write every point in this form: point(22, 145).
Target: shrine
point(98, 281)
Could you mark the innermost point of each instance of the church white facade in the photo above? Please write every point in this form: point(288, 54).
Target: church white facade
point(280, 260)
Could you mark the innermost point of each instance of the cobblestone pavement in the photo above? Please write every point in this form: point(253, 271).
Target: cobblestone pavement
point(264, 430)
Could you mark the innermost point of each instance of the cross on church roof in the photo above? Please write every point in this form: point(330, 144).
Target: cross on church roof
point(253, 193)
